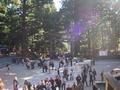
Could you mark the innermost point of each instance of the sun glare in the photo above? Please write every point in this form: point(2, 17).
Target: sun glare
point(58, 4)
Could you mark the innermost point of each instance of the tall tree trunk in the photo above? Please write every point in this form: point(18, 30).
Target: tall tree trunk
point(23, 27)
point(89, 45)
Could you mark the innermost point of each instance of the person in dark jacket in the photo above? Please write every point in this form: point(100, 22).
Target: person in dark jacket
point(69, 88)
point(95, 87)
point(94, 74)
point(78, 79)
point(90, 78)
point(29, 86)
point(58, 82)
point(8, 68)
point(58, 71)
point(63, 84)
point(42, 86)
point(51, 81)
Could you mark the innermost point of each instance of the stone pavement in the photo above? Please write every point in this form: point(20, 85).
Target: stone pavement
point(4, 61)
point(34, 76)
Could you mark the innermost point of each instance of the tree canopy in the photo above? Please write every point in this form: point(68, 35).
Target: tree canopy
point(89, 26)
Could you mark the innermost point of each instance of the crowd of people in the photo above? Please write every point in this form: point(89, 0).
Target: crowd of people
point(60, 81)
point(67, 80)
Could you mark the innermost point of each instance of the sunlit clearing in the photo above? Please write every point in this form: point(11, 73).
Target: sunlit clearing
point(27, 78)
point(11, 74)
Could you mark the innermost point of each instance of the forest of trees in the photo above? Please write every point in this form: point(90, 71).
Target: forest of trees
point(89, 25)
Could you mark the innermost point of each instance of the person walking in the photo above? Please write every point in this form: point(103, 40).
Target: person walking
point(52, 65)
point(95, 87)
point(32, 65)
point(45, 66)
point(85, 79)
point(25, 87)
point(69, 88)
point(78, 79)
point(2, 87)
point(40, 63)
point(102, 77)
point(71, 75)
point(63, 81)
point(94, 74)
point(90, 78)
point(71, 60)
point(51, 81)
point(8, 67)
point(74, 86)
point(58, 72)
point(65, 73)
point(48, 86)
point(58, 82)
point(15, 84)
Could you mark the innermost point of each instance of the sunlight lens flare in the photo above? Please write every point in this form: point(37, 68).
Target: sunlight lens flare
point(58, 4)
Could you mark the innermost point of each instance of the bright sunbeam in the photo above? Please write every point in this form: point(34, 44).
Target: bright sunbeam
point(27, 78)
point(58, 4)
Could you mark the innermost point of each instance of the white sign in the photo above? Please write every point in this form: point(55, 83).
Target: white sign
point(103, 53)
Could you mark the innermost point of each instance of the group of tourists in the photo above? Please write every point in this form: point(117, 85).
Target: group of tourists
point(56, 83)
point(44, 64)
point(60, 81)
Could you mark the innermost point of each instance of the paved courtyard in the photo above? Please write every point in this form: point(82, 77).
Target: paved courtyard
point(34, 76)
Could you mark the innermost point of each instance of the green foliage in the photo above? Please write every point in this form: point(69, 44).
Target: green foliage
point(102, 33)
point(37, 24)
